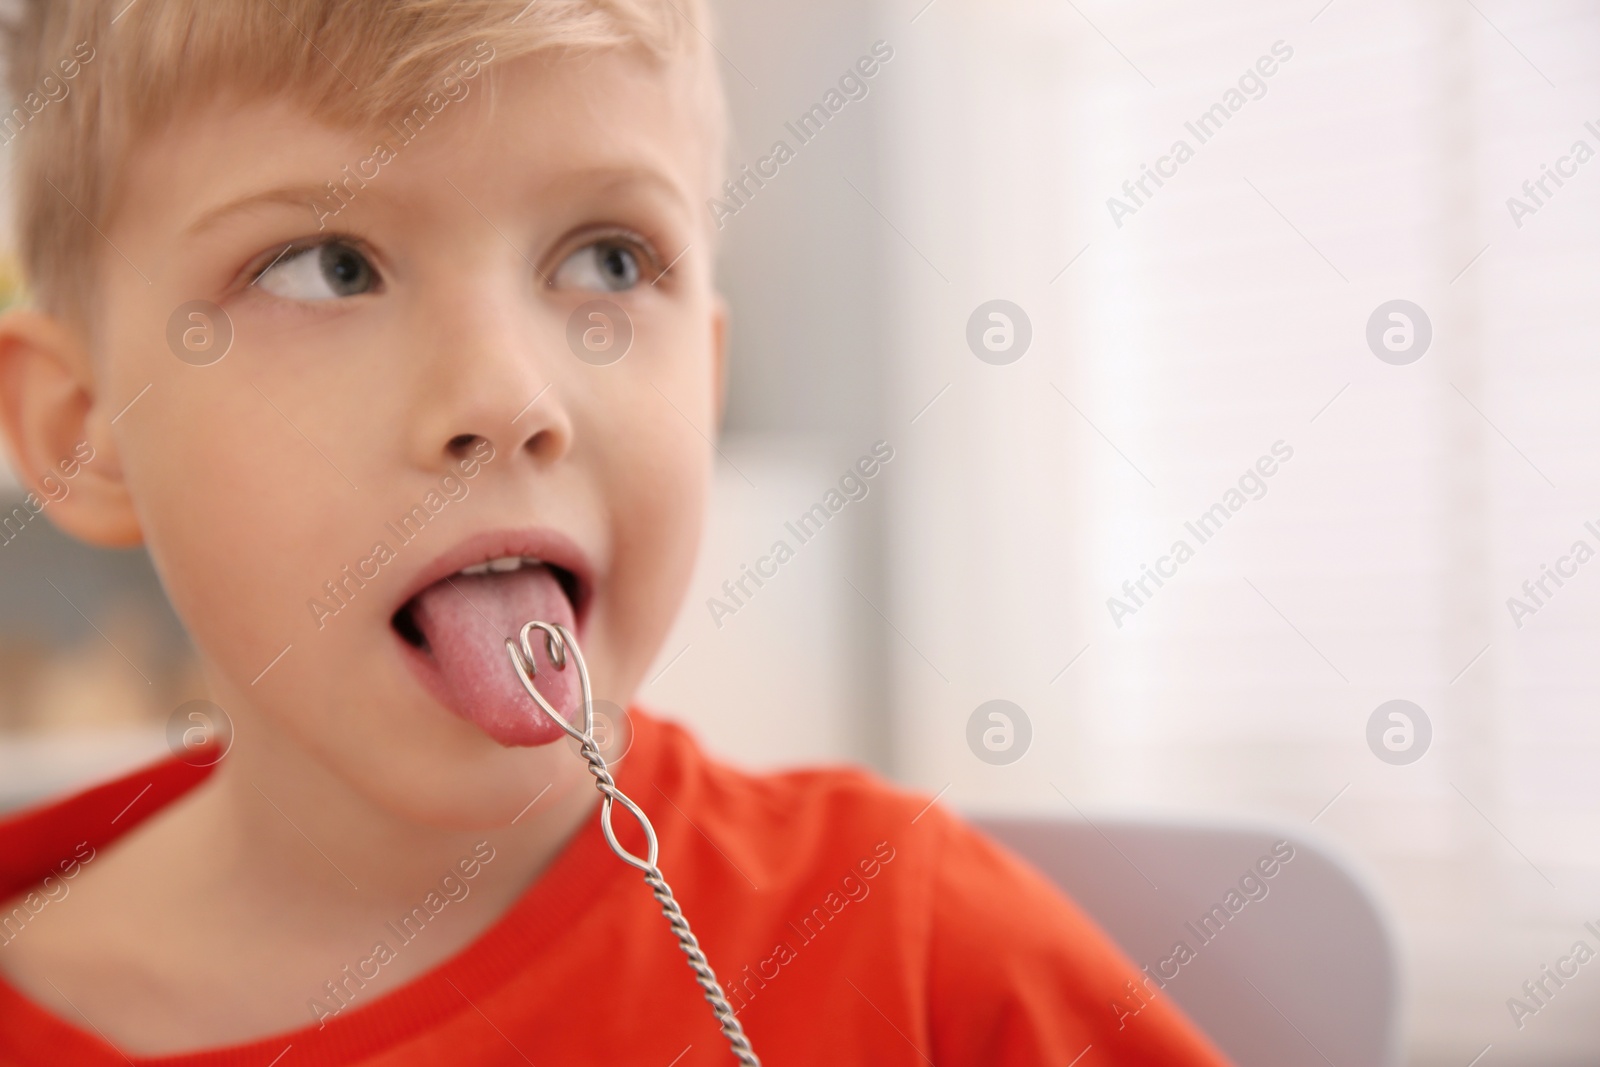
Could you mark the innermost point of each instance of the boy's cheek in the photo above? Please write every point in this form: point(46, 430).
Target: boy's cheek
point(655, 487)
point(244, 521)
point(453, 488)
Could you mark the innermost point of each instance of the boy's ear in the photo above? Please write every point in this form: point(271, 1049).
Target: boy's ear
point(719, 340)
point(60, 443)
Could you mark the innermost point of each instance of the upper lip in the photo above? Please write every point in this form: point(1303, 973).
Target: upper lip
point(541, 543)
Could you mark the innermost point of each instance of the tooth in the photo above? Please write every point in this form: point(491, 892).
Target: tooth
point(504, 564)
point(476, 568)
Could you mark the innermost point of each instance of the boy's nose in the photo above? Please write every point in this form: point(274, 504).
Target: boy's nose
point(540, 429)
point(487, 381)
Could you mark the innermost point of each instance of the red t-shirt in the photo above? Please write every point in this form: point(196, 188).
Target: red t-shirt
point(848, 922)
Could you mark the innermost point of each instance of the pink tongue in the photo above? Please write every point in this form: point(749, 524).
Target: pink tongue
point(466, 619)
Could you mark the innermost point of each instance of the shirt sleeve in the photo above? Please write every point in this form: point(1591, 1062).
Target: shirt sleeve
point(1019, 975)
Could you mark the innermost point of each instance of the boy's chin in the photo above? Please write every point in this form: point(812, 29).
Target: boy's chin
point(454, 776)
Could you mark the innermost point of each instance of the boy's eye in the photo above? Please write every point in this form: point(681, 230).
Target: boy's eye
point(322, 272)
point(603, 266)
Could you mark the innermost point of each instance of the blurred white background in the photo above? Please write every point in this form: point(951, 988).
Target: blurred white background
point(1227, 313)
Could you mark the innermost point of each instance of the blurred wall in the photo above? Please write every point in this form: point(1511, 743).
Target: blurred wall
point(1220, 318)
point(802, 671)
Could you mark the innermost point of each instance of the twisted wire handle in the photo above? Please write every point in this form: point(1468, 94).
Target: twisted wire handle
point(558, 643)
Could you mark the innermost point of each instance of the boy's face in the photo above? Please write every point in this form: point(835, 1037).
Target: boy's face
point(416, 366)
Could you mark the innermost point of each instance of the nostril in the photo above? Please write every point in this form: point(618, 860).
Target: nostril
point(461, 442)
point(546, 446)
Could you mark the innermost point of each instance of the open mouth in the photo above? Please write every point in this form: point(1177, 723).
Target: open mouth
point(453, 632)
point(404, 619)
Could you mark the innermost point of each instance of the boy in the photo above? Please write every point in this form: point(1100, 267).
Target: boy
point(306, 276)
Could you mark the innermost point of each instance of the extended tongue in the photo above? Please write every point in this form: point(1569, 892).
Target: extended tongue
point(466, 619)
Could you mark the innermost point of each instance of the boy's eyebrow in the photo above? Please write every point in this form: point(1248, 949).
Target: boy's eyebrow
point(605, 176)
point(307, 195)
point(296, 196)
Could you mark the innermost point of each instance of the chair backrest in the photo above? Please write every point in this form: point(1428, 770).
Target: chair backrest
point(1295, 968)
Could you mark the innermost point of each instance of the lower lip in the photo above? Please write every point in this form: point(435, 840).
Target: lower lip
point(534, 730)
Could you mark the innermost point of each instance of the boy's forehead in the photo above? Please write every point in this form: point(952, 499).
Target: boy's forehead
point(610, 123)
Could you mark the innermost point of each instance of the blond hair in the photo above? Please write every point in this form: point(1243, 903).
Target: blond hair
point(89, 77)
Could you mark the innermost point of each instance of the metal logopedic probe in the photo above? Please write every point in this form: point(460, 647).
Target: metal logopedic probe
point(559, 644)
